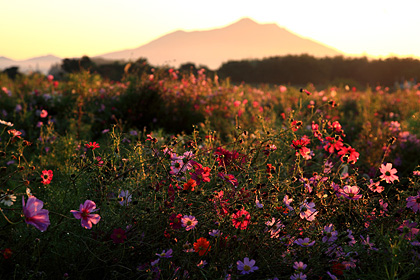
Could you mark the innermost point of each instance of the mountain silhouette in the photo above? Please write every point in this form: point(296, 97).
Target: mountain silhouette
point(244, 39)
point(41, 63)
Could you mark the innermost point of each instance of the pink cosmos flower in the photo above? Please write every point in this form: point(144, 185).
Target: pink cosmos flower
point(241, 219)
point(34, 214)
point(388, 173)
point(375, 187)
point(413, 202)
point(43, 114)
point(46, 176)
point(247, 266)
point(351, 192)
point(229, 178)
point(87, 219)
point(308, 211)
point(189, 222)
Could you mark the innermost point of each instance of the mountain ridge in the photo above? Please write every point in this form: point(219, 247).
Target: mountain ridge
point(243, 39)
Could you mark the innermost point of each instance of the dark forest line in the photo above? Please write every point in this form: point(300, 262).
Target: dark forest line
point(295, 70)
point(303, 69)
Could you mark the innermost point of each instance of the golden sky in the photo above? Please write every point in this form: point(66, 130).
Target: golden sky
point(30, 28)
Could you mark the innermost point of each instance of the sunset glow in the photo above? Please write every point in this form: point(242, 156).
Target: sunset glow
point(76, 28)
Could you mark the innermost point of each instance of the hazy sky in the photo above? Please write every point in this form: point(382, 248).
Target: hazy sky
point(74, 28)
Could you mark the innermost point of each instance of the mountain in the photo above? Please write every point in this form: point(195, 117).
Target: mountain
point(41, 63)
point(244, 39)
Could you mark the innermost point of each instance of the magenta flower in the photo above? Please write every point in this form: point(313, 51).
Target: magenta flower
point(247, 266)
point(413, 202)
point(85, 214)
point(241, 219)
point(388, 173)
point(34, 214)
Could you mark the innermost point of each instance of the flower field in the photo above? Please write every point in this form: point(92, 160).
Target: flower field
point(170, 176)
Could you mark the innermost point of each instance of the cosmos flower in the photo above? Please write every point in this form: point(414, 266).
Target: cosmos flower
point(241, 219)
point(34, 214)
point(247, 266)
point(189, 222)
point(84, 213)
point(388, 173)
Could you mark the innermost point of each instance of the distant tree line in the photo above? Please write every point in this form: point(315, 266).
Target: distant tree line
point(304, 69)
point(291, 69)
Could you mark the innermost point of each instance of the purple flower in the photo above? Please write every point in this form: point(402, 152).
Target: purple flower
point(413, 202)
point(330, 235)
point(298, 276)
point(124, 198)
point(306, 242)
point(308, 211)
point(87, 219)
point(299, 266)
point(34, 214)
point(247, 266)
point(165, 254)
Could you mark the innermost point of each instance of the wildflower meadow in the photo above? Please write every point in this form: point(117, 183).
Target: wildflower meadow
point(183, 176)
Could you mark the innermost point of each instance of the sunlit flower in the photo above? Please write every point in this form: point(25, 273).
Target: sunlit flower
point(351, 192)
point(308, 211)
point(247, 266)
point(7, 199)
point(375, 187)
point(92, 145)
point(43, 114)
point(46, 177)
point(34, 214)
point(189, 222)
point(202, 246)
point(241, 219)
point(388, 173)
point(84, 213)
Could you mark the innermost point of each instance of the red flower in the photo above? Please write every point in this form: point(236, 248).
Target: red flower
point(241, 219)
point(201, 174)
point(46, 177)
point(202, 246)
point(118, 235)
point(175, 221)
point(7, 253)
point(190, 185)
point(348, 155)
point(92, 146)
